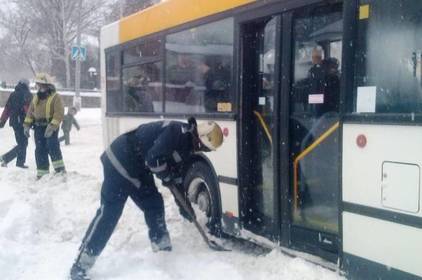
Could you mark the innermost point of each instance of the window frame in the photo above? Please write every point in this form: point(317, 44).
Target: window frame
point(113, 51)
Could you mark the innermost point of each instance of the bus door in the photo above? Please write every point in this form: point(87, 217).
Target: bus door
point(258, 193)
point(313, 133)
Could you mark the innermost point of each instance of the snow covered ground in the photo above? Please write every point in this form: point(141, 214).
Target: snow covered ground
point(42, 224)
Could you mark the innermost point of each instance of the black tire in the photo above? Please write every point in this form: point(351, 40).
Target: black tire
point(200, 183)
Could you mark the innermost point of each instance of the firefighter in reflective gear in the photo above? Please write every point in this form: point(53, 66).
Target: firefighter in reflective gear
point(45, 115)
point(160, 148)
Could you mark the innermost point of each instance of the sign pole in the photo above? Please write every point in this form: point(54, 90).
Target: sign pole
point(77, 97)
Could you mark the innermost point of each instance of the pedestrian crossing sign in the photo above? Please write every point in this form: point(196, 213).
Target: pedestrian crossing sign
point(78, 52)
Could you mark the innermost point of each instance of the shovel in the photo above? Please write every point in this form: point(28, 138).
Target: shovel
point(211, 244)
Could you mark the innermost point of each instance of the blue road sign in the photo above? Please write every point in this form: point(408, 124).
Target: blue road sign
point(78, 53)
point(82, 53)
point(75, 52)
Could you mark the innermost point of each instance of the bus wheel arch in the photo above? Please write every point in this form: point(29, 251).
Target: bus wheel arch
point(202, 188)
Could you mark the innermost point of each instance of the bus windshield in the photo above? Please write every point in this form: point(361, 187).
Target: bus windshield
point(388, 69)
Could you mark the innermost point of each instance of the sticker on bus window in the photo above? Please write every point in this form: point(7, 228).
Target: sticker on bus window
point(261, 100)
point(316, 98)
point(224, 107)
point(366, 99)
point(364, 12)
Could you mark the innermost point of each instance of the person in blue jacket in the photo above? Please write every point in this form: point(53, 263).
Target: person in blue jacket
point(129, 163)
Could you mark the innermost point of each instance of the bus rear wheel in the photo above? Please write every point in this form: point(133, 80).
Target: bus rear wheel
point(202, 189)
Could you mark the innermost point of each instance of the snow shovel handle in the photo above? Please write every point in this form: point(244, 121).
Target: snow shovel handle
point(190, 212)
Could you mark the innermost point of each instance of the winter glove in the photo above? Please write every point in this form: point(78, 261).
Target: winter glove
point(26, 131)
point(172, 180)
point(49, 131)
point(172, 177)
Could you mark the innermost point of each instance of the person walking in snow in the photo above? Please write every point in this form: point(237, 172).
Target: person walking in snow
point(15, 110)
point(159, 148)
point(45, 115)
point(68, 121)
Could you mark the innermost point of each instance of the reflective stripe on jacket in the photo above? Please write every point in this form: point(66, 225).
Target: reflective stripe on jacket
point(50, 110)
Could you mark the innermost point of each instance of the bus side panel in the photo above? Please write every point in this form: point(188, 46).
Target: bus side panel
point(109, 36)
point(224, 161)
point(363, 167)
point(393, 245)
point(225, 158)
point(111, 129)
point(229, 199)
point(382, 217)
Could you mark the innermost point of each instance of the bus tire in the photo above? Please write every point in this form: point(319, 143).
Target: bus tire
point(201, 187)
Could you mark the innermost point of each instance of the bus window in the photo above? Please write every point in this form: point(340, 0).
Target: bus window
point(147, 49)
point(113, 82)
point(199, 67)
point(388, 57)
point(142, 88)
point(317, 55)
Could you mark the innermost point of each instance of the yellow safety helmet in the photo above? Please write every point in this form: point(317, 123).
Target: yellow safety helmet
point(44, 79)
point(210, 135)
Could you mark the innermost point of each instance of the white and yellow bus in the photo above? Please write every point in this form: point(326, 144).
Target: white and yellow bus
point(321, 108)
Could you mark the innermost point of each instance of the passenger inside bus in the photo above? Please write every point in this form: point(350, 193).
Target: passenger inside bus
point(138, 99)
point(332, 85)
point(183, 79)
point(140, 89)
point(216, 78)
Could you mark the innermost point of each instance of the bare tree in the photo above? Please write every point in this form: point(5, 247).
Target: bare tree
point(18, 41)
point(53, 25)
point(40, 33)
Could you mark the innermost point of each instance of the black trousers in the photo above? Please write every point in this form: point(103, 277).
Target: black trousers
point(18, 151)
point(115, 191)
point(45, 147)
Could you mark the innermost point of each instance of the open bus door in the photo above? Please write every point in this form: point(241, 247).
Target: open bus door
point(258, 196)
point(289, 126)
point(314, 157)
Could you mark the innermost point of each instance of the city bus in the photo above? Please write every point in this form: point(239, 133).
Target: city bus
point(320, 103)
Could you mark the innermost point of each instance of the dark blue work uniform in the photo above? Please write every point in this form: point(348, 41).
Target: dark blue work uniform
point(15, 109)
point(129, 164)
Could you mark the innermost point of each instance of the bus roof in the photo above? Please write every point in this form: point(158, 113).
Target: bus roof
point(171, 13)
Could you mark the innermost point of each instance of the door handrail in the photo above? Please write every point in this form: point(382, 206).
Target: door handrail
point(264, 126)
point(303, 154)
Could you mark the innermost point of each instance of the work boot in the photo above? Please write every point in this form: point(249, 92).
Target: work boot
point(83, 263)
point(161, 244)
point(2, 162)
point(78, 273)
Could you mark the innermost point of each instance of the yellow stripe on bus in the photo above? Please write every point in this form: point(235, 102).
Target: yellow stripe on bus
point(171, 13)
